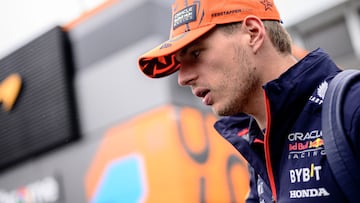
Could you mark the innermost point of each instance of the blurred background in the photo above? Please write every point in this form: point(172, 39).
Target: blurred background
point(80, 123)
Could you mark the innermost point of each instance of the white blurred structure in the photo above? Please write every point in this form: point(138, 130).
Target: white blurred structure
point(22, 20)
point(335, 28)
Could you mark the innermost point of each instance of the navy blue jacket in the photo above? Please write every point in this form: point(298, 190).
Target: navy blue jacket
point(288, 161)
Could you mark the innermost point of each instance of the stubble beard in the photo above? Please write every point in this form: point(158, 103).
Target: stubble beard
point(246, 83)
point(240, 101)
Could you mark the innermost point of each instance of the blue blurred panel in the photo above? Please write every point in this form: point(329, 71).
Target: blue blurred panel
point(122, 182)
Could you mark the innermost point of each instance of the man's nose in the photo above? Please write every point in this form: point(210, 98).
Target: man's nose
point(185, 76)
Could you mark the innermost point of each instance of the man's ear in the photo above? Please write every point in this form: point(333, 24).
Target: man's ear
point(256, 30)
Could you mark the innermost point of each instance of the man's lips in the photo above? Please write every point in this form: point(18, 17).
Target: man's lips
point(202, 93)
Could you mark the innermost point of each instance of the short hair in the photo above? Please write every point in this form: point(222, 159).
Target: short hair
point(278, 35)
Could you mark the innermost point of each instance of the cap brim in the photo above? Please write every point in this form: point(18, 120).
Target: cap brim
point(160, 61)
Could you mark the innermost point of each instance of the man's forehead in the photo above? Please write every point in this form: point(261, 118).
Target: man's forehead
point(184, 50)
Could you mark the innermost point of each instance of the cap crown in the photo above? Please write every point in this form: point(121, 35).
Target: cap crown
point(188, 15)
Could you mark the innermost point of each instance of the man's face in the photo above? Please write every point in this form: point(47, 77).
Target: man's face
point(219, 69)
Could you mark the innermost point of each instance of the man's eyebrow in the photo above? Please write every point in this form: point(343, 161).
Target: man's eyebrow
point(184, 50)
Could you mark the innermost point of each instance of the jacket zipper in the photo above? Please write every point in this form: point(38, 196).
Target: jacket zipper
point(267, 149)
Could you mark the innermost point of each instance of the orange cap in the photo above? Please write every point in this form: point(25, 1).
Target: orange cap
point(192, 19)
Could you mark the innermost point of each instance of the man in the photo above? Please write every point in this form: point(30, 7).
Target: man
point(236, 56)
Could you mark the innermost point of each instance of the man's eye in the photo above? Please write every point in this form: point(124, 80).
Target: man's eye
point(195, 53)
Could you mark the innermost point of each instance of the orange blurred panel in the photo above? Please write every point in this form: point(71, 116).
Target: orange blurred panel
point(185, 160)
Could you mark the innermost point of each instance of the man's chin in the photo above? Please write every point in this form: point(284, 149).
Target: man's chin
point(224, 112)
point(219, 112)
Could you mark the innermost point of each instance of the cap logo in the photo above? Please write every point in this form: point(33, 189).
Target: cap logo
point(268, 5)
point(186, 15)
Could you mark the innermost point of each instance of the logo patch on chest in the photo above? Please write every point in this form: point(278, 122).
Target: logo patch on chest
point(318, 98)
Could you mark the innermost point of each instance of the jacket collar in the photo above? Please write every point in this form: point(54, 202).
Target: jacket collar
point(293, 89)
